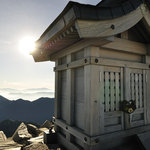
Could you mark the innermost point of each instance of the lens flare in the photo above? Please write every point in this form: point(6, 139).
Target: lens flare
point(27, 45)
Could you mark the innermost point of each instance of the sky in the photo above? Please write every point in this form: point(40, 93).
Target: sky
point(20, 76)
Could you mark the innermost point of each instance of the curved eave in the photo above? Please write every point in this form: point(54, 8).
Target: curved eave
point(104, 28)
point(61, 41)
point(114, 3)
point(75, 11)
point(79, 21)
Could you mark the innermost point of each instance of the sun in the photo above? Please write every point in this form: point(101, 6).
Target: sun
point(27, 45)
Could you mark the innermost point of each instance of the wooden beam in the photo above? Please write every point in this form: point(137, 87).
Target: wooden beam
point(148, 49)
point(127, 46)
point(78, 63)
point(66, 143)
point(127, 95)
point(105, 62)
point(93, 95)
point(57, 26)
point(57, 96)
point(103, 28)
point(73, 131)
point(69, 93)
point(146, 59)
point(148, 95)
point(87, 99)
point(119, 63)
point(124, 35)
point(69, 98)
point(101, 138)
point(146, 17)
point(74, 64)
point(145, 98)
point(80, 45)
point(60, 67)
point(121, 134)
point(57, 93)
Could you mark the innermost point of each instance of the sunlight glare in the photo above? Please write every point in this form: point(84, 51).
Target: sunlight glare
point(27, 45)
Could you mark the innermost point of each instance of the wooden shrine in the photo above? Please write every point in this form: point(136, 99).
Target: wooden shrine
point(102, 72)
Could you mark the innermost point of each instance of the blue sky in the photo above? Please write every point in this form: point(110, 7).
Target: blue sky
point(20, 76)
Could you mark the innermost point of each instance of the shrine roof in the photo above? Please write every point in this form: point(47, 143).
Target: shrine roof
point(79, 21)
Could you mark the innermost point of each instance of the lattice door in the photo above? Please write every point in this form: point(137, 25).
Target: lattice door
point(136, 88)
point(113, 95)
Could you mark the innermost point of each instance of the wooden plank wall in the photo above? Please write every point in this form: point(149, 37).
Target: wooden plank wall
point(64, 95)
point(63, 92)
point(116, 55)
point(147, 78)
point(79, 97)
point(78, 88)
point(148, 95)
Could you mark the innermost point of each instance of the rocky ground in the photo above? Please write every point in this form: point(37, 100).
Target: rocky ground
point(27, 137)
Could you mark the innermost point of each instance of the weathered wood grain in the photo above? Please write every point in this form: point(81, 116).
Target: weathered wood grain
point(57, 93)
point(112, 92)
point(73, 130)
point(107, 92)
point(136, 91)
point(63, 96)
point(148, 96)
point(127, 46)
point(79, 97)
point(80, 45)
point(117, 90)
point(103, 28)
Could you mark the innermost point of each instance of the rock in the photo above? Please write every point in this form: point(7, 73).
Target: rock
point(41, 130)
point(36, 146)
point(2, 137)
point(21, 133)
point(10, 145)
point(47, 124)
point(38, 139)
point(33, 130)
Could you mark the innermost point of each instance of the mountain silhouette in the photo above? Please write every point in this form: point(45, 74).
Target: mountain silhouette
point(3, 101)
point(23, 110)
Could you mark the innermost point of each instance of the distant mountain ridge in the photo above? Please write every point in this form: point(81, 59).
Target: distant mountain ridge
point(23, 110)
point(3, 99)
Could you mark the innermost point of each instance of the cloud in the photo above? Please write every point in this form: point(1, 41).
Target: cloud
point(38, 89)
point(8, 90)
point(27, 94)
point(33, 94)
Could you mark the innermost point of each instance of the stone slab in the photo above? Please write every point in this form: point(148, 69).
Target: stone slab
point(38, 139)
point(47, 124)
point(21, 133)
point(10, 145)
point(36, 146)
point(144, 140)
point(33, 130)
point(2, 136)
